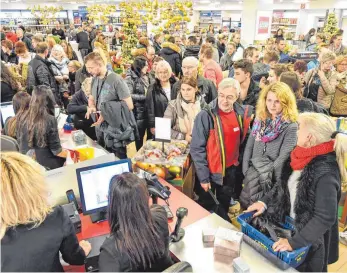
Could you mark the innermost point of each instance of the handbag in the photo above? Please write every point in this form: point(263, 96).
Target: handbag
point(339, 104)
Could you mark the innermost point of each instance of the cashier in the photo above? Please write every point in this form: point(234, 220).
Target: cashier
point(219, 134)
point(139, 239)
point(33, 233)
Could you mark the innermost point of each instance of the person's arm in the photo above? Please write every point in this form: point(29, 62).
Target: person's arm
point(123, 93)
point(288, 144)
point(77, 38)
point(74, 108)
point(198, 150)
point(135, 97)
point(324, 213)
point(150, 106)
point(170, 114)
point(62, 37)
point(53, 141)
point(178, 65)
point(70, 249)
point(43, 75)
point(212, 94)
point(248, 153)
point(328, 85)
point(78, 84)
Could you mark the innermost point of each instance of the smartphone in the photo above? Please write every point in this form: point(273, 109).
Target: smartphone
point(72, 198)
point(168, 212)
point(95, 116)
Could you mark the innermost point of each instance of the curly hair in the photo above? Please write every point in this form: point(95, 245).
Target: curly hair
point(7, 77)
point(284, 95)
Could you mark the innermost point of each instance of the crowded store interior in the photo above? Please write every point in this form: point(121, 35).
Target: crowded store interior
point(173, 136)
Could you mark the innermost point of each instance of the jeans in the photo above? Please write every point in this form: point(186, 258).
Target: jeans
point(84, 52)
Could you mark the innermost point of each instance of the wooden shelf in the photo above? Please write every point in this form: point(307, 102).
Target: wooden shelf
point(284, 24)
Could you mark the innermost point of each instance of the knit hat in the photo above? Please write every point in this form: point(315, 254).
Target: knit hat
point(141, 48)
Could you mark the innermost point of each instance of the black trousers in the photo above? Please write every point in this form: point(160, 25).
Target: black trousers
point(142, 131)
point(224, 193)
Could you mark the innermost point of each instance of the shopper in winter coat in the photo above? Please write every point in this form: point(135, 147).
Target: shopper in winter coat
point(78, 107)
point(138, 82)
point(41, 73)
point(73, 66)
point(309, 191)
point(219, 133)
point(206, 87)
point(158, 39)
point(81, 75)
point(159, 93)
point(336, 45)
point(321, 82)
point(227, 61)
point(7, 54)
point(211, 69)
point(183, 110)
point(60, 71)
point(262, 69)
point(193, 48)
point(339, 103)
point(272, 139)
point(304, 104)
point(210, 40)
point(171, 53)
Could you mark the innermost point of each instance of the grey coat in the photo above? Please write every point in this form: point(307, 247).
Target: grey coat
point(276, 152)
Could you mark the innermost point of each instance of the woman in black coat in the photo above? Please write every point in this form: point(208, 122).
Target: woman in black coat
point(172, 54)
point(138, 82)
point(78, 107)
point(309, 191)
point(159, 93)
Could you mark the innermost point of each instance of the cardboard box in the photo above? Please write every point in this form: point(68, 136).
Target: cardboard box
point(173, 164)
point(208, 235)
point(227, 242)
point(240, 266)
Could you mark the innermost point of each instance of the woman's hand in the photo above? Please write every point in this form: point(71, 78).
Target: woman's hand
point(258, 207)
point(99, 121)
point(86, 246)
point(188, 138)
point(89, 111)
point(152, 131)
point(206, 186)
point(59, 78)
point(282, 245)
point(65, 77)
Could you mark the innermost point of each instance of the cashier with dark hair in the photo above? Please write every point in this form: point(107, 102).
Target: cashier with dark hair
point(139, 238)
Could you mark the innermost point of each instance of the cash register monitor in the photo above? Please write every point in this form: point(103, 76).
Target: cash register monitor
point(93, 184)
point(6, 111)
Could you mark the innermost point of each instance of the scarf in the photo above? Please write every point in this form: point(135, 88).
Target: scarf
point(190, 111)
point(268, 130)
point(61, 66)
point(300, 157)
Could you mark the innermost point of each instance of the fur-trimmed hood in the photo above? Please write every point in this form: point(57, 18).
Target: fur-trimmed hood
point(171, 46)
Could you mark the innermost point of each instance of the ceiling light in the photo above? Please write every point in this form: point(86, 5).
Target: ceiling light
point(73, 3)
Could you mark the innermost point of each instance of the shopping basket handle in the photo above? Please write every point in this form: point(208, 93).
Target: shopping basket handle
point(213, 197)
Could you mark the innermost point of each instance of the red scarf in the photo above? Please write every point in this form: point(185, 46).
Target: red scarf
point(300, 157)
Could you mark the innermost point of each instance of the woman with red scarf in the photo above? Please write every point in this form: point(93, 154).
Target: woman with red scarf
point(309, 191)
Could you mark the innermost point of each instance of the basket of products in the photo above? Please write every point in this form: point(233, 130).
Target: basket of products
point(263, 243)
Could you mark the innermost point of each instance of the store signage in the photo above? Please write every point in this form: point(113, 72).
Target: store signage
point(278, 14)
point(263, 26)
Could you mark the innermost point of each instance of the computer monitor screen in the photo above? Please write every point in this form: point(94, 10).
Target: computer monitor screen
point(94, 181)
point(7, 111)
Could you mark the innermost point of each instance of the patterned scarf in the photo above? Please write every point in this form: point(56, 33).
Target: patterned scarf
point(268, 130)
point(190, 111)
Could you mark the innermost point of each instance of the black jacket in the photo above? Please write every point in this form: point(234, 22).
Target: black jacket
point(192, 51)
point(252, 94)
point(28, 249)
point(40, 73)
point(171, 53)
point(27, 42)
point(206, 88)
point(59, 32)
point(113, 259)
point(157, 47)
point(138, 95)
point(157, 101)
point(308, 105)
point(316, 203)
point(12, 58)
point(221, 49)
point(7, 92)
point(82, 38)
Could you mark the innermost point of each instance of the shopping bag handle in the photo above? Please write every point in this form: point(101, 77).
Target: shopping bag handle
point(213, 197)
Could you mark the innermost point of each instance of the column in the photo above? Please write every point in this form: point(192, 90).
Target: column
point(248, 21)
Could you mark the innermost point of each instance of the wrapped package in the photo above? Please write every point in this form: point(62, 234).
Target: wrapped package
point(227, 242)
point(208, 235)
point(240, 266)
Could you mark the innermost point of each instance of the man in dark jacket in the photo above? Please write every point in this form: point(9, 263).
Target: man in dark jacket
point(262, 69)
point(206, 87)
point(249, 88)
point(158, 39)
point(219, 134)
point(40, 72)
point(227, 60)
point(193, 48)
point(58, 31)
point(25, 40)
point(171, 53)
point(82, 38)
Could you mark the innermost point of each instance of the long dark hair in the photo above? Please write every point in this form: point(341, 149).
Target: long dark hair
point(138, 64)
point(20, 102)
point(131, 222)
point(8, 78)
point(293, 81)
point(34, 120)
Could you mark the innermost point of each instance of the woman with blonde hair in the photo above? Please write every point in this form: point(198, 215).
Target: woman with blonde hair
point(32, 232)
point(51, 43)
point(272, 139)
point(309, 191)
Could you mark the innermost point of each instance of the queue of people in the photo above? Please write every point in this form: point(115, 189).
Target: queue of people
point(261, 134)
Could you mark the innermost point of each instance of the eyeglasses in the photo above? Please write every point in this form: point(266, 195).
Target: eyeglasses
point(188, 67)
point(343, 64)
